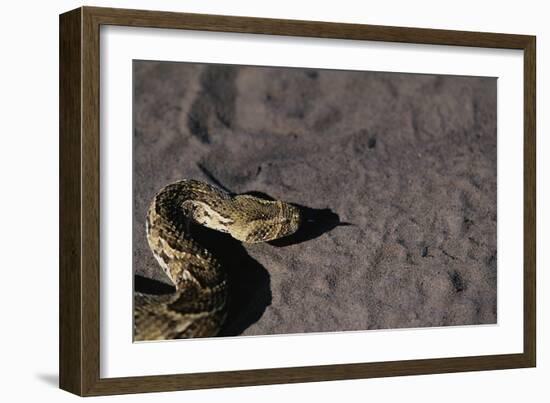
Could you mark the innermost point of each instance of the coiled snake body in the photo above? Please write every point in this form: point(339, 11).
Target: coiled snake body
point(198, 306)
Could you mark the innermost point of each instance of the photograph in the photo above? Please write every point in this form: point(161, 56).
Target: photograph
point(251, 200)
point(273, 200)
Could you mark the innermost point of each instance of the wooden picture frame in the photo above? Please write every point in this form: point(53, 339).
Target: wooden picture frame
point(80, 184)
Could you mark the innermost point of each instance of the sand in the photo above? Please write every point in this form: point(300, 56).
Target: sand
point(408, 160)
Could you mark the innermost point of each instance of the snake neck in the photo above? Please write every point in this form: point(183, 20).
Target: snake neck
point(186, 200)
point(185, 261)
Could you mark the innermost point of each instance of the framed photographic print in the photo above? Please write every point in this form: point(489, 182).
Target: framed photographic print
point(250, 201)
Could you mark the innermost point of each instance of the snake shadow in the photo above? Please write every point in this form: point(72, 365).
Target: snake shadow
point(315, 222)
point(249, 282)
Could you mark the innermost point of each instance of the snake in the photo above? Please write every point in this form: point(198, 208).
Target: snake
point(198, 306)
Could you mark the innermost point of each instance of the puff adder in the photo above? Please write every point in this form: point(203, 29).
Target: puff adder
point(198, 306)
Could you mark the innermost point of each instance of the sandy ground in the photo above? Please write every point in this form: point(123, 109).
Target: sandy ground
point(409, 160)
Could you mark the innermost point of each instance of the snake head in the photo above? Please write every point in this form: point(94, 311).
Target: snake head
point(284, 222)
point(264, 220)
point(289, 219)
